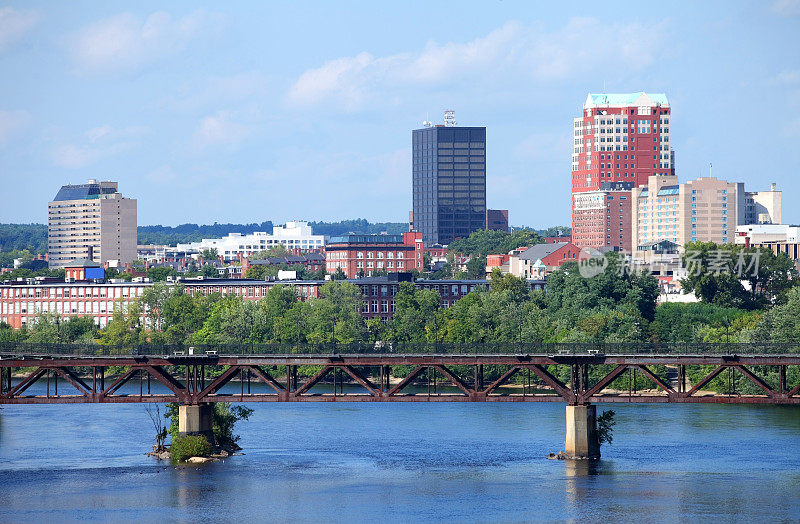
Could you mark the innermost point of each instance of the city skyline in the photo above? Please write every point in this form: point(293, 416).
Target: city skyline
point(290, 129)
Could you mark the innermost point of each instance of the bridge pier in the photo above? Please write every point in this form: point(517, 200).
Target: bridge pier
point(582, 441)
point(196, 420)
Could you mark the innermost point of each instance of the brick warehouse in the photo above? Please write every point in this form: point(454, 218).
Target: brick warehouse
point(22, 300)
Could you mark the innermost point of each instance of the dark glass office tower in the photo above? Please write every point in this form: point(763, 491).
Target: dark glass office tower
point(449, 175)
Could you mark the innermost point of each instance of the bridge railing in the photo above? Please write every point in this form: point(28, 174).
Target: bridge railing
point(400, 348)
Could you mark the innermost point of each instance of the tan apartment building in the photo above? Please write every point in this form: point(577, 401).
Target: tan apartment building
point(702, 210)
point(93, 221)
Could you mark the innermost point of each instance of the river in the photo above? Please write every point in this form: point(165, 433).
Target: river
point(401, 462)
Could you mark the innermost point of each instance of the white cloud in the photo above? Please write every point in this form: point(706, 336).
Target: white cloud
point(99, 142)
point(247, 86)
point(219, 130)
point(128, 42)
point(75, 157)
point(14, 24)
point(12, 122)
point(581, 47)
point(786, 7)
point(787, 77)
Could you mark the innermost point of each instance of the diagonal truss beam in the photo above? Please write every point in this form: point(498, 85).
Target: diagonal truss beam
point(264, 375)
point(406, 381)
point(361, 379)
point(121, 380)
point(795, 390)
point(603, 382)
point(313, 380)
point(75, 380)
point(758, 381)
point(454, 379)
point(553, 382)
point(218, 382)
point(502, 380)
point(711, 376)
point(168, 380)
point(655, 378)
point(26, 383)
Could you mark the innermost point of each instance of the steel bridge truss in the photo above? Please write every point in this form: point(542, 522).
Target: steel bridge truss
point(442, 378)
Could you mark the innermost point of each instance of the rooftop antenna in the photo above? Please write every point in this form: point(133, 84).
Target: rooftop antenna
point(427, 122)
point(450, 118)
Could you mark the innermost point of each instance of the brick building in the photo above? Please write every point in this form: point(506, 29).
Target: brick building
point(620, 140)
point(364, 255)
point(22, 300)
point(603, 218)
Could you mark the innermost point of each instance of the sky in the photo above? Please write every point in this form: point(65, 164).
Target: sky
point(245, 112)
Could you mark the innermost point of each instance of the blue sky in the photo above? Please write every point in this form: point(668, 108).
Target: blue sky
point(242, 112)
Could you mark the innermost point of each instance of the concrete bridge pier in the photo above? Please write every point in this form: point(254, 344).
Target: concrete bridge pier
point(196, 419)
point(582, 441)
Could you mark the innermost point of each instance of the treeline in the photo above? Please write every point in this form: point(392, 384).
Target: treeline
point(615, 306)
point(31, 237)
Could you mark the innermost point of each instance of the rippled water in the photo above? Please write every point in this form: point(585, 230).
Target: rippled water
point(406, 461)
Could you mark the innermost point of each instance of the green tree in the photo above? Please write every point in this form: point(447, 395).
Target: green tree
point(209, 254)
point(160, 274)
point(278, 251)
point(414, 309)
point(336, 316)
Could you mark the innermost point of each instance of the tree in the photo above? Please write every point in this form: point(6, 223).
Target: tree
point(414, 309)
point(160, 274)
point(507, 282)
point(158, 425)
point(261, 272)
point(336, 316)
point(209, 271)
point(209, 254)
point(224, 419)
point(278, 251)
point(476, 267)
point(605, 427)
point(712, 275)
point(483, 242)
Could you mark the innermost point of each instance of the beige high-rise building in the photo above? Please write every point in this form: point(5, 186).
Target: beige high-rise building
point(91, 220)
point(702, 210)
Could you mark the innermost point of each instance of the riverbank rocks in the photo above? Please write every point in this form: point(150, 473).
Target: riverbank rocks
point(557, 456)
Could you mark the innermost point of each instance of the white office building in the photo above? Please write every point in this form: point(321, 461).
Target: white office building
point(295, 235)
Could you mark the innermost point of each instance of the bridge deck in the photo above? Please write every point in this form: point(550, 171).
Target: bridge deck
point(208, 377)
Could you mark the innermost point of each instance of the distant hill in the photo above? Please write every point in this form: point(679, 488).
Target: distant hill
point(33, 237)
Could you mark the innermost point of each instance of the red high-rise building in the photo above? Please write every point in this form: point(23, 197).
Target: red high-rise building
point(620, 140)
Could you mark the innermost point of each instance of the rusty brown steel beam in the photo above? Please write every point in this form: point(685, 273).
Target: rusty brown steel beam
point(361, 379)
point(708, 378)
point(794, 391)
point(313, 380)
point(655, 378)
point(75, 380)
point(121, 380)
point(455, 380)
point(168, 380)
point(758, 381)
point(406, 381)
point(560, 388)
point(328, 397)
point(392, 360)
point(264, 376)
point(606, 380)
point(26, 383)
point(501, 380)
point(218, 382)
